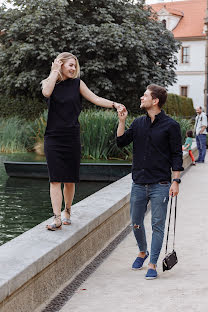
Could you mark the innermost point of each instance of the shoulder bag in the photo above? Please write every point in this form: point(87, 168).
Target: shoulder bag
point(171, 258)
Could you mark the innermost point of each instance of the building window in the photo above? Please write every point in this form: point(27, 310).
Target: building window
point(184, 91)
point(185, 55)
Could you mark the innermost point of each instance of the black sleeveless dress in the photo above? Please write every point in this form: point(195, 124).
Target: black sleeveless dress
point(62, 136)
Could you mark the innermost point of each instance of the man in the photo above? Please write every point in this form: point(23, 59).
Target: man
point(201, 133)
point(156, 149)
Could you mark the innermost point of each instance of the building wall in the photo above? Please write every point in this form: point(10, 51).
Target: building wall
point(195, 85)
point(160, 1)
point(197, 56)
point(192, 74)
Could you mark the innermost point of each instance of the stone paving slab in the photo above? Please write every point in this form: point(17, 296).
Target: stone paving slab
point(114, 287)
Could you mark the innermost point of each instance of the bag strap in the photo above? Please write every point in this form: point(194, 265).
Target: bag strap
point(171, 202)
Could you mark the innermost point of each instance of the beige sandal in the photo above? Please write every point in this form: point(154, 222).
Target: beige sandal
point(67, 221)
point(54, 226)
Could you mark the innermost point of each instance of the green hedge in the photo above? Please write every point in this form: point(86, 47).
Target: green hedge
point(31, 108)
point(21, 106)
point(179, 106)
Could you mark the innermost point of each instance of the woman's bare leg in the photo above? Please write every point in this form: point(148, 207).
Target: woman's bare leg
point(56, 199)
point(69, 190)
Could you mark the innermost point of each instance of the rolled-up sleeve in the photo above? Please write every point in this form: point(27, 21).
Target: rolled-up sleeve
point(175, 141)
point(126, 138)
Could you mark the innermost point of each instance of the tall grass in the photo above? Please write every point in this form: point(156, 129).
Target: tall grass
point(185, 124)
point(98, 134)
point(37, 129)
point(15, 136)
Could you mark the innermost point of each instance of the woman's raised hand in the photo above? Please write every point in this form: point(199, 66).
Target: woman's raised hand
point(56, 65)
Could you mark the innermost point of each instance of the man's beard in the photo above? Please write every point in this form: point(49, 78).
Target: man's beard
point(143, 108)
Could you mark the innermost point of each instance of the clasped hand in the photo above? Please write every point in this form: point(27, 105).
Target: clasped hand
point(121, 109)
point(122, 112)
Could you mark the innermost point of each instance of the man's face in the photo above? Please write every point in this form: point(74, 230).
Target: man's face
point(146, 100)
point(198, 110)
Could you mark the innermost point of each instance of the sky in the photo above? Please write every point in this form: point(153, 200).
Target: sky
point(3, 1)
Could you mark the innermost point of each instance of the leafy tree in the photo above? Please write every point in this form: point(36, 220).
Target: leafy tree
point(120, 46)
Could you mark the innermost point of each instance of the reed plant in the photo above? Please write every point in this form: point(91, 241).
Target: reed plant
point(98, 135)
point(15, 135)
point(37, 128)
point(185, 124)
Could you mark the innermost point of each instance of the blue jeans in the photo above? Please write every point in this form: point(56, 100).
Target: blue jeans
point(201, 146)
point(158, 195)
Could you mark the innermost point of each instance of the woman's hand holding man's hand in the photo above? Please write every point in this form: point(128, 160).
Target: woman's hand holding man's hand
point(122, 111)
point(120, 107)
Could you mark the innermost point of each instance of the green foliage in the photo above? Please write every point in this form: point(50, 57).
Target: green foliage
point(21, 106)
point(185, 124)
point(98, 135)
point(120, 48)
point(15, 135)
point(38, 126)
point(179, 106)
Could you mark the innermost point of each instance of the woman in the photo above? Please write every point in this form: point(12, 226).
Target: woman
point(62, 136)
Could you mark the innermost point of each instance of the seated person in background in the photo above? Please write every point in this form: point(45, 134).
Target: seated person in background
point(187, 145)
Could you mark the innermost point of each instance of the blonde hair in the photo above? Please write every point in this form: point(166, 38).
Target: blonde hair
point(63, 57)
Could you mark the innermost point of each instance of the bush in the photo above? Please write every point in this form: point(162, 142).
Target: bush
point(179, 106)
point(15, 136)
point(32, 108)
point(21, 106)
point(185, 125)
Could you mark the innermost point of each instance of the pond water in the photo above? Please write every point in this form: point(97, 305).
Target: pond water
point(25, 202)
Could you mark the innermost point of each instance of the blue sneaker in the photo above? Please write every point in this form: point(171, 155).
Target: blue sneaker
point(151, 274)
point(138, 263)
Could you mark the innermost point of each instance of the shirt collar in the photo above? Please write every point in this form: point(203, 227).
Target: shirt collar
point(158, 116)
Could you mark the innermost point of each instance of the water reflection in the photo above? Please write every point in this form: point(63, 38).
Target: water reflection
point(25, 202)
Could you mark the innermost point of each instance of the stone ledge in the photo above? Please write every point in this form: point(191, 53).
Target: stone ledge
point(30, 253)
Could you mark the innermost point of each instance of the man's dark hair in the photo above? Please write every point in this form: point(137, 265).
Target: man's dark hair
point(189, 134)
point(159, 93)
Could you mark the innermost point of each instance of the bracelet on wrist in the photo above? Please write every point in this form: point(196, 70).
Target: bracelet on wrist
point(113, 104)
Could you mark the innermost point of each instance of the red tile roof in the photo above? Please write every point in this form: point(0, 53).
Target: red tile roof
point(192, 22)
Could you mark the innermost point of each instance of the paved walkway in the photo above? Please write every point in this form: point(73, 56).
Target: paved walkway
point(114, 287)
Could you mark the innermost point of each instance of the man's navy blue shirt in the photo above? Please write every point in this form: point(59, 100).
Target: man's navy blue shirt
point(157, 147)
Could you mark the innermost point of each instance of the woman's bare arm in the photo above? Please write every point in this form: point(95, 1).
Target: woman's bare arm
point(49, 83)
point(97, 100)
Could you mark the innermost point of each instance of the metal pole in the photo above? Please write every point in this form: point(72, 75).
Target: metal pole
point(206, 64)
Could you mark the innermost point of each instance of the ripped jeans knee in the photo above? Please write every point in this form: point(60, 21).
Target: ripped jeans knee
point(136, 226)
